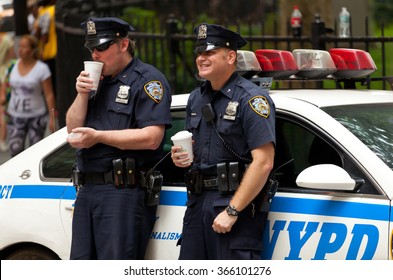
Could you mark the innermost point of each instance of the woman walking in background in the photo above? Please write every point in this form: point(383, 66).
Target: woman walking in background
point(32, 99)
point(6, 54)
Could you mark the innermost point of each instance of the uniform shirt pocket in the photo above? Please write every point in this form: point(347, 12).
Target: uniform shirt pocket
point(227, 127)
point(192, 125)
point(121, 115)
point(193, 122)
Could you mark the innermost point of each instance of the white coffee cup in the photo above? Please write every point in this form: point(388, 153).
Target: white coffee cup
point(184, 139)
point(94, 68)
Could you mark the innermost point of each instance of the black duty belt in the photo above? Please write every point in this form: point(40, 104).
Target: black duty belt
point(227, 180)
point(124, 173)
point(98, 178)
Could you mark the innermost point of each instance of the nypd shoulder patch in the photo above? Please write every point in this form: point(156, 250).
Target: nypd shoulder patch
point(260, 105)
point(154, 90)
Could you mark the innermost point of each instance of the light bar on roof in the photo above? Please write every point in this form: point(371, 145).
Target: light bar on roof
point(276, 63)
point(352, 63)
point(247, 64)
point(313, 64)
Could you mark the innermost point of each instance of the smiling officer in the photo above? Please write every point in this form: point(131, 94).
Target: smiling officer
point(233, 125)
point(120, 132)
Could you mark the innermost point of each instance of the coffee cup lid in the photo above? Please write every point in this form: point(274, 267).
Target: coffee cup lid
point(181, 135)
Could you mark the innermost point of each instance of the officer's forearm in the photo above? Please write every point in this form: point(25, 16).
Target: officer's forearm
point(76, 114)
point(147, 138)
point(255, 177)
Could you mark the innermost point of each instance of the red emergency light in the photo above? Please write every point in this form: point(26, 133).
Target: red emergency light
point(276, 63)
point(352, 63)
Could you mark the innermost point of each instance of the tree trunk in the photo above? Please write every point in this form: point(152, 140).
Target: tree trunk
point(20, 17)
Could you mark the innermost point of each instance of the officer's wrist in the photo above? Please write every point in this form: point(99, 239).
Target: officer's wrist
point(232, 211)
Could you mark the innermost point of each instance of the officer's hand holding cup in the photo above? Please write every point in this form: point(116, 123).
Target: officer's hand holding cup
point(94, 68)
point(183, 139)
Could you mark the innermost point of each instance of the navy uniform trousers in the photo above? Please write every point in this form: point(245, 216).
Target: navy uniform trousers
point(199, 241)
point(106, 214)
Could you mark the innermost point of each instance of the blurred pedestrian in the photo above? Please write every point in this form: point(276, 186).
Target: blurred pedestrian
point(32, 17)
point(47, 36)
point(31, 100)
point(6, 54)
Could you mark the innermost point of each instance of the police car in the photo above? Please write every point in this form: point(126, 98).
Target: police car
point(334, 162)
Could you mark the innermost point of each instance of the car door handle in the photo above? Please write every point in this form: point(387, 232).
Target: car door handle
point(69, 206)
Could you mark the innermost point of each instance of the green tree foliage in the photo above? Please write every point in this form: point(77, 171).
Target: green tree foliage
point(383, 11)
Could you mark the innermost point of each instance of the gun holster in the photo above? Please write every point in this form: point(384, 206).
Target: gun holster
point(264, 198)
point(194, 182)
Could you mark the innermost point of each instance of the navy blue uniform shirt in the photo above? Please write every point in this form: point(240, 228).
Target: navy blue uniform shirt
point(137, 97)
point(245, 119)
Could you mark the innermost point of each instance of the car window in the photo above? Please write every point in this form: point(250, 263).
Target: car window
point(371, 123)
point(59, 163)
point(299, 146)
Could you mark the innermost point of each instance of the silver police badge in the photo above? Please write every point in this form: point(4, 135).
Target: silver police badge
point(260, 105)
point(123, 94)
point(154, 90)
point(91, 28)
point(202, 32)
point(231, 110)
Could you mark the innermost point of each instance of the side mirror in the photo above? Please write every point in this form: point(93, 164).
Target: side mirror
point(326, 177)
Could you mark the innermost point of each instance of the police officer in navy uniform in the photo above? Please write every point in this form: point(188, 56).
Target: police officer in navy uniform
point(233, 125)
point(119, 135)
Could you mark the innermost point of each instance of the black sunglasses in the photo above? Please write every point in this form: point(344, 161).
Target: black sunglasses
point(102, 47)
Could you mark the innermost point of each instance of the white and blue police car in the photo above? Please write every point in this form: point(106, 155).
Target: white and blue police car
point(334, 199)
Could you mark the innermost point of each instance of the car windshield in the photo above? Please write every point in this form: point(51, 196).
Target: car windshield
point(372, 124)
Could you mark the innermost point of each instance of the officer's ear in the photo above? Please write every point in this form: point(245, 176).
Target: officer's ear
point(232, 54)
point(124, 44)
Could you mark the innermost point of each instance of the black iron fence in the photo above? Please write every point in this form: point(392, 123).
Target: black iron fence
point(169, 44)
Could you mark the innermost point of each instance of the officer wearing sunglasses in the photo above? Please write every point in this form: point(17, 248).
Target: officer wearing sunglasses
point(120, 135)
point(102, 47)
